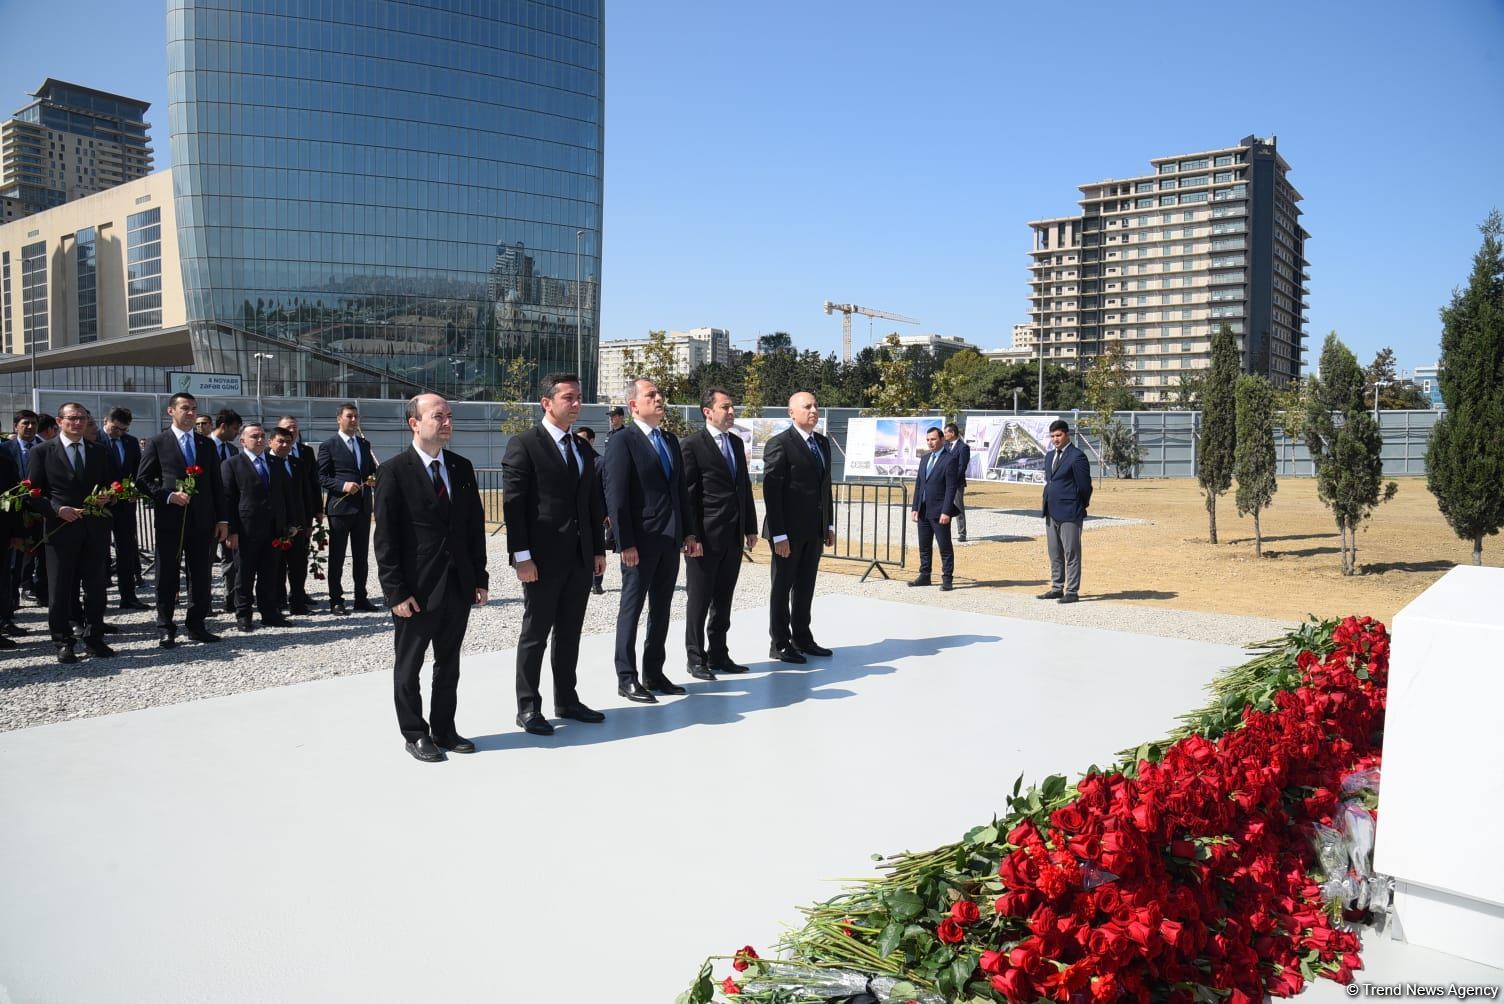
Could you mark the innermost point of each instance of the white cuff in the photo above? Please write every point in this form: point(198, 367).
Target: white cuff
point(523, 556)
point(780, 538)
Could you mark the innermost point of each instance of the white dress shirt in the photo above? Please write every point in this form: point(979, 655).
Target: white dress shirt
point(428, 468)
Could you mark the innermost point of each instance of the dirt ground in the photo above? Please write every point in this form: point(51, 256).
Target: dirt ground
point(1404, 548)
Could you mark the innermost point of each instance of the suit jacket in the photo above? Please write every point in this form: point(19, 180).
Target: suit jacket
point(336, 467)
point(305, 468)
point(294, 488)
point(257, 509)
point(548, 511)
point(935, 485)
point(796, 487)
point(12, 448)
point(162, 466)
point(721, 507)
point(132, 449)
point(50, 469)
point(10, 523)
point(647, 508)
point(962, 454)
point(420, 539)
point(1067, 489)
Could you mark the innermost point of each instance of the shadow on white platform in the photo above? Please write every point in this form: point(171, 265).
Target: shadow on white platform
point(280, 845)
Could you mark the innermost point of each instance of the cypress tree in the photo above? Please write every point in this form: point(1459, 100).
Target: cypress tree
point(1254, 462)
point(1218, 423)
point(1465, 461)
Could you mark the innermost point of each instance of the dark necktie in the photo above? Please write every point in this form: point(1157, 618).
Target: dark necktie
point(814, 448)
point(664, 460)
point(225, 451)
point(1056, 463)
point(266, 477)
point(355, 449)
point(569, 458)
point(438, 482)
point(78, 459)
point(726, 452)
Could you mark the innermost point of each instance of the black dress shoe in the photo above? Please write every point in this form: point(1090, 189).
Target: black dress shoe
point(167, 639)
point(13, 629)
point(66, 655)
point(454, 744)
point(634, 692)
point(365, 606)
point(200, 633)
point(1053, 594)
point(337, 607)
point(701, 673)
point(277, 622)
point(301, 610)
point(923, 580)
point(727, 666)
point(580, 713)
point(945, 586)
point(98, 648)
point(811, 648)
point(534, 724)
point(663, 685)
point(598, 590)
point(425, 750)
point(787, 653)
point(1068, 598)
point(244, 625)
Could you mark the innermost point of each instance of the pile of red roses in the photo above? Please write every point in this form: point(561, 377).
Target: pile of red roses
point(1191, 868)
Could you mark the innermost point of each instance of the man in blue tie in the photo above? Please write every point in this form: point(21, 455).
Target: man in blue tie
point(799, 522)
point(934, 505)
point(28, 570)
point(648, 504)
point(125, 456)
point(256, 499)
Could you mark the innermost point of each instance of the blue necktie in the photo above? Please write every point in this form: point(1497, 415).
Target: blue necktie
point(266, 478)
point(815, 449)
point(355, 449)
point(187, 442)
point(120, 450)
point(664, 460)
point(726, 452)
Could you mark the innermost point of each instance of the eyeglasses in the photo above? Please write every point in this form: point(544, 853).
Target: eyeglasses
point(73, 418)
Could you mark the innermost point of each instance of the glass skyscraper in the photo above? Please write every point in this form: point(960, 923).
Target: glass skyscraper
point(379, 197)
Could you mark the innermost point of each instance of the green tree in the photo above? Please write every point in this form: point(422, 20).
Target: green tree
point(1219, 423)
point(1393, 393)
point(1345, 446)
point(1465, 461)
point(895, 392)
point(516, 389)
point(964, 381)
point(1109, 389)
point(752, 401)
point(1253, 458)
point(658, 361)
point(1188, 389)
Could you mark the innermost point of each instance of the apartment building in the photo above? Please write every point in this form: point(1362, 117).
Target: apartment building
point(1160, 261)
point(692, 349)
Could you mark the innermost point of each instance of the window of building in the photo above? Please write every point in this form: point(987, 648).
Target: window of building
point(5, 301)
point(1167, 200)
point(1192, 165)
point(1224, 160)
point(88, 302)
point(34, 317)
point(144, 270)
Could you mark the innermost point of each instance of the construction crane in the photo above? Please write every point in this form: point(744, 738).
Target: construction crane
point(847, 309)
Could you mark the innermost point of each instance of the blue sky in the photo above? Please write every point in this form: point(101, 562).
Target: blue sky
point(762, 158)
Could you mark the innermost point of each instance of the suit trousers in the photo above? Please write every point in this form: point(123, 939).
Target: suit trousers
point(793, 592)
point(292, 573)
point(1064, 543)
point(127, 551)
point(354, 531)
point(198, 550)
point(78, 553)
point(555, 604)
point(959, 519)
point(256, 575)
point(932, 531)
point(650, 581)
point(711, 579)
point(443, 627)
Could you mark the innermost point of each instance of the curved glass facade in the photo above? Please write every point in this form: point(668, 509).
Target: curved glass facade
point(385, 195)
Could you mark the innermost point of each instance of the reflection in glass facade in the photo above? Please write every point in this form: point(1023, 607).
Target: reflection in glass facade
point(88, 286)
point(143, 270)
point(387, 195)
point(34, 297)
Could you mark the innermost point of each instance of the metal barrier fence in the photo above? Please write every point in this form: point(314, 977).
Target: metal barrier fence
point(872, 525)
point(488, 480)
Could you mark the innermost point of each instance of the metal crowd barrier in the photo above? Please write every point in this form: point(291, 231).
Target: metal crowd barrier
point(872, 525)
point(488, 480)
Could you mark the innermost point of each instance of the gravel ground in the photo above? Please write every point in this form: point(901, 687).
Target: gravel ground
point(35, 690)
point(981, 524)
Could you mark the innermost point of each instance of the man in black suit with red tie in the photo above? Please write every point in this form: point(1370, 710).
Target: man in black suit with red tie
point(345, 465)
point(431, 563)
point(800, 520)
point(197, 520)
point(723, 517)
point(256, 491)
point(551, 502)
point(648, 503)
point(935, 487)
point(68, 469)
point(125, 458)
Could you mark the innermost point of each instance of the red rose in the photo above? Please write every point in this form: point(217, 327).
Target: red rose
point(744, 959)
point(117, 487)
point(729, 987)
point(193, 470)
point(965, 912)
point(26, 482)
point(992, 962)
point(1014, 985)
point(950, 932)
point(35, 492)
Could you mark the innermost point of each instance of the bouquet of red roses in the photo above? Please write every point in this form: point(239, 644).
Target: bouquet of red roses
point(13, 499)
point(287, 540)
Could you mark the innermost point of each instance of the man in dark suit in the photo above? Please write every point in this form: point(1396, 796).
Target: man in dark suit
point(1067, 493)
point(933, 507)
point(197, 519)
point(587, 435)
point(431, 563)
point(124, 451)
point(345, 464)
point(800, 520)
point(225, 437)
point(956, 447)
point(648, 503)
point(28, 570)
point(551, 503)
point(10, 532)
point(256, 491)
point(305, 471)
point(295, 501)
point(723, 518)
point(68, 469)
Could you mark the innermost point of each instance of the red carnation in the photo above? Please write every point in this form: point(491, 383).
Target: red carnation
point(950, 932)
point(744, 959)
point(965, 912)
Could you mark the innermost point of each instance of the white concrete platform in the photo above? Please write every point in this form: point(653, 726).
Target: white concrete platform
point(280, 845)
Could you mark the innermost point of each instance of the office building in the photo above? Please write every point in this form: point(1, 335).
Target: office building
point(942, 347)
point(1427, 379)
point(69, 142)
point(692, 349)
point(379, 197)
point(1159, 261)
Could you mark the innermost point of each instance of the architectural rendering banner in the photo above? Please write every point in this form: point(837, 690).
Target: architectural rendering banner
point(1008, 447)
point(756, 432)
point(886, 447)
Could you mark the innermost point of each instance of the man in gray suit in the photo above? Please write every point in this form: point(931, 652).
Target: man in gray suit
point(1067, 493)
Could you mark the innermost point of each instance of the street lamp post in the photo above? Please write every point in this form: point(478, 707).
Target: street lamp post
point(579, 342)
point(1377, 385)
point(1015, 399)
point(1039, 337)
point(258, 357)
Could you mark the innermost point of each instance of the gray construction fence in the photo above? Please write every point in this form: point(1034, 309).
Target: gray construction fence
point(1169, 438)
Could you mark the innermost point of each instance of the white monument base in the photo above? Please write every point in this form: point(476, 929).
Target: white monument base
point(1441, 801)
